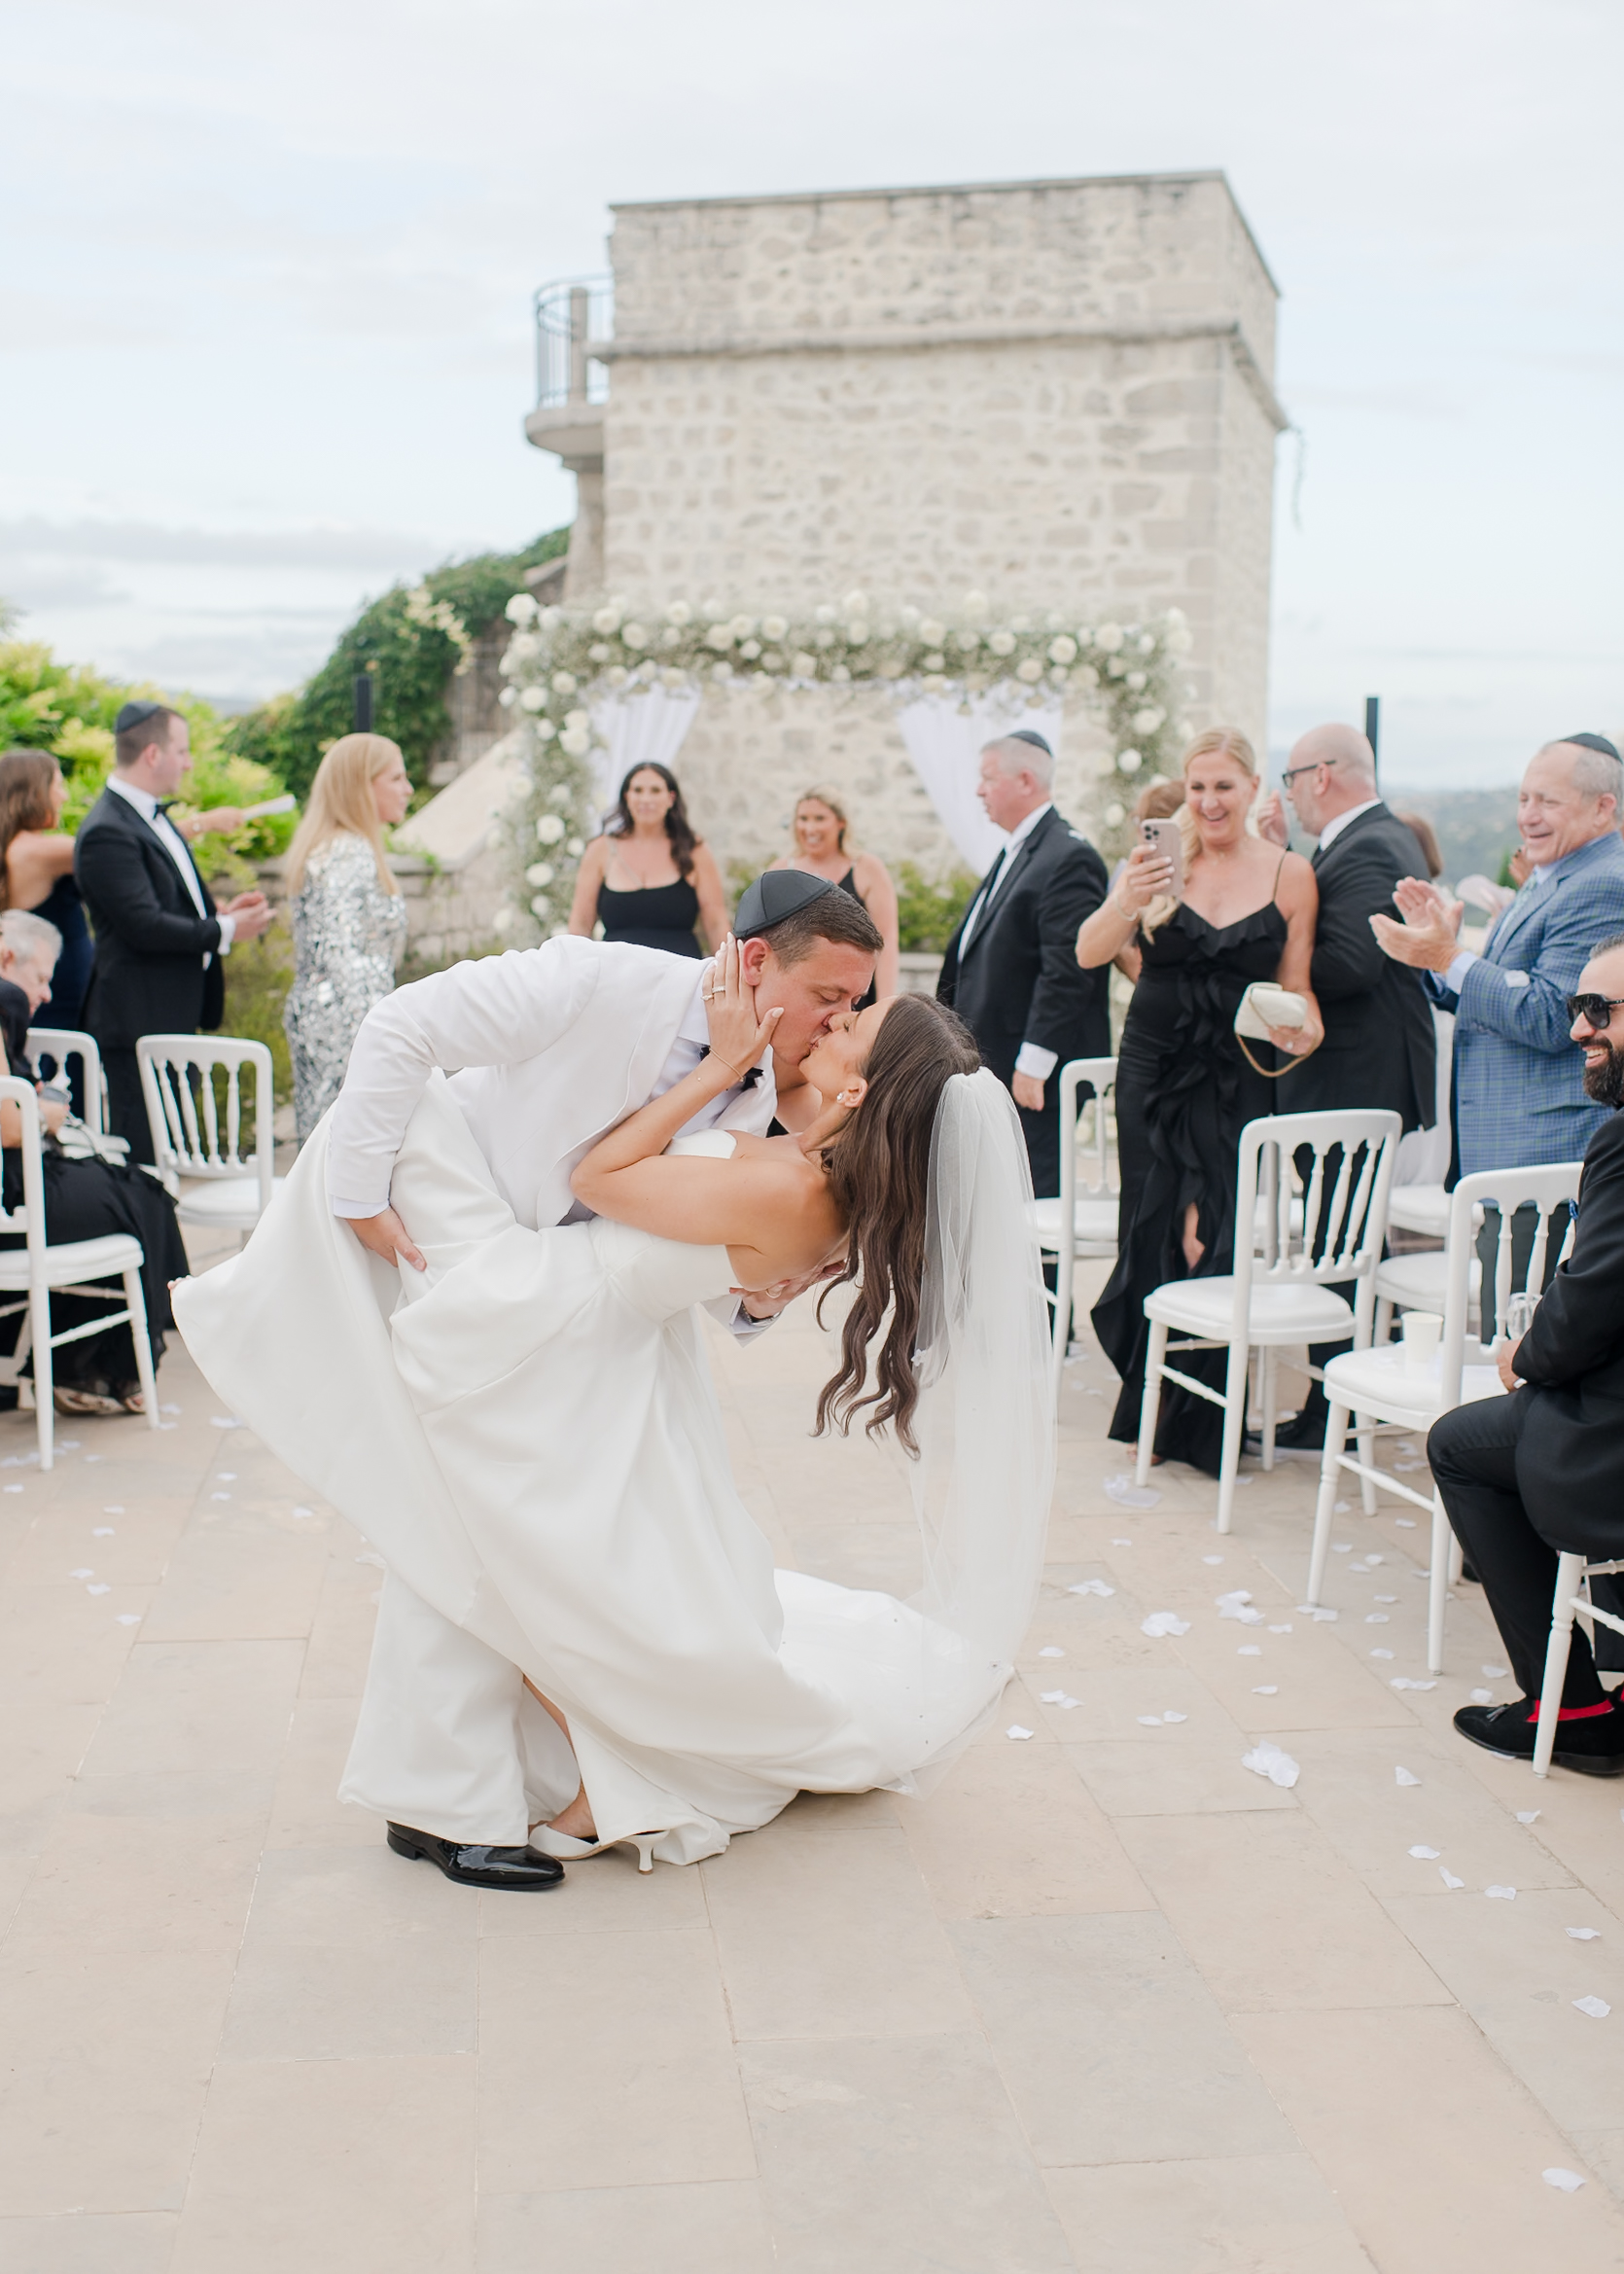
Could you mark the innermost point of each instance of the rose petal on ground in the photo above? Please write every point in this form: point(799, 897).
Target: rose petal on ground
point(1129, 1495)
point(1016, 1731)
point(1448, 1878)
point(1568, 2182)
point(1583, 1933)
point(1162, 1623)
point(1405, 1776)
point(1598, 2008)
point(1269, 1760)
point(1426, 1855)
point(1500, 1894)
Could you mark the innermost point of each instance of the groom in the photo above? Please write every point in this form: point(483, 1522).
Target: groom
point(546, 1051)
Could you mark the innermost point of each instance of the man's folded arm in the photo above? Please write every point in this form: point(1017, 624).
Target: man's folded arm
point(492, 1012)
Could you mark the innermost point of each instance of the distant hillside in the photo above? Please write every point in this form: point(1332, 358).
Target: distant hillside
point(1476, 828)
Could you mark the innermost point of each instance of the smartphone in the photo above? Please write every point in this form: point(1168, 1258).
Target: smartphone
point(1163, 837)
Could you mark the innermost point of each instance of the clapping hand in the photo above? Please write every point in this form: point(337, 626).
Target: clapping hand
point(738, 1038)
point(1429, 938)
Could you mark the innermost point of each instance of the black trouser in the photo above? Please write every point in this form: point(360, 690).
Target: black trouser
point(1042, 1132)
point(1473, 1450)
point(126, 1109)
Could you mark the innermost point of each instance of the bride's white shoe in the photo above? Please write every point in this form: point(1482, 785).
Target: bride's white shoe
point(568, 1850)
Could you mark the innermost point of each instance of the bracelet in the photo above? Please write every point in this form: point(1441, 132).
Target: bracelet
point(1129, 916)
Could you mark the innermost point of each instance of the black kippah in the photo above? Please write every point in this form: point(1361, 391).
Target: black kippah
point(779, 893)
point(1025, 734)
point(136, 714)
point(1593, 742)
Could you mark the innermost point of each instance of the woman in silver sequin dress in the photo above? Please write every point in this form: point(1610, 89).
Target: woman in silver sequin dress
point(349, 917)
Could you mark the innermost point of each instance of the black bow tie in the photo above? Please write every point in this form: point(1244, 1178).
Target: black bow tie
point(752, 1077)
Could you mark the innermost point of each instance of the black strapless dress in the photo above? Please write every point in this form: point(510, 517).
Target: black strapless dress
point(63, 907)
point(1184, 1093)
point(660, 915)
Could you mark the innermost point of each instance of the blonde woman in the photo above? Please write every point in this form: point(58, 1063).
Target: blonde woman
point(819, 828)
point(349, 917)
point(1184, 1088)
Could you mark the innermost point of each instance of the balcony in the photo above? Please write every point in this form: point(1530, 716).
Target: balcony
point(573, 317)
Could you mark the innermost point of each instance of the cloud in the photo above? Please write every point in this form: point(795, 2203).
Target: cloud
point(34, 539)
point(1382, 402)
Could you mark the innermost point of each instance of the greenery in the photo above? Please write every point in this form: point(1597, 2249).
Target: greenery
point(1476, 828)
point(412, 641)
point(928, 914)
point(258, 976)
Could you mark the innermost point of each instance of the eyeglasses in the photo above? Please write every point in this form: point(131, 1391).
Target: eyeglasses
point(1291, 772)
point(1595, 1010)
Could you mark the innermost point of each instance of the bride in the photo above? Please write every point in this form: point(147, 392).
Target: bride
point(531, 1436)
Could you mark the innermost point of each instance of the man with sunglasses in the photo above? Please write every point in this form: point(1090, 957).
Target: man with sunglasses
point(1540, 1473)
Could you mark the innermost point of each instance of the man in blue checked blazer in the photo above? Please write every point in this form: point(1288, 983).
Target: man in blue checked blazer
point(1519, 1092)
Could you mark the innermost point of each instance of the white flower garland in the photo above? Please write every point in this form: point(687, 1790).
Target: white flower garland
point(557, 656)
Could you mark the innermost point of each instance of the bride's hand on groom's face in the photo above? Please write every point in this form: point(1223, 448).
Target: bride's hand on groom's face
point(738, 1036)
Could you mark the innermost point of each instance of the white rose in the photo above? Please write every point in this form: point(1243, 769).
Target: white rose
point(1064, 650)
point(772, 661)
point(545, 730)
point(616, 675)
point(679, 612)
point(909, 619)
point(532, 700)
point(824, 638)
point(520, 648)
point(563, 683)
point(1030, 670)
point(742, 627)
point(931, 632)
point(803, 665)
point(1059, 674)
point(597, 652)
point(1128, 762)
point(1136, 680)
point(1148, 643)
point(635, 636)
point(673, 679)
point(1001, 643)
point(1146, 721)
point(774, 626)
point(670, 638)
point(504, 919)
point(560, 795)
point(575, 743)
point(719, 636)
point(540, 906)
point(539, 872)
point(750, 649)
point(575, 848)
point(521, 608)
point(1114, 815)
point(976, 604)
point(857, 633)
point(721, 672)
point(549, 829)
point(1086, 675)
point(606, 621)
point(1109, 638)
point(967, 642)
point(507, 697)
point(577, 722)
point(551, 619)
point(840, 673)
point(935, 662)
point(856, 604)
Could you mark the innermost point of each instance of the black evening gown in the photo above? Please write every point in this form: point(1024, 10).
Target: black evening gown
point(86, 1200)
point(660, 915)
point(1184, 1093)
point(63, 907)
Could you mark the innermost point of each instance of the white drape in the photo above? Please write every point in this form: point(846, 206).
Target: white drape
point(647, 728)
point(945, 744)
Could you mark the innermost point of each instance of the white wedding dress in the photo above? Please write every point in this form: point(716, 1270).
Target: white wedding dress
point(529, 1433)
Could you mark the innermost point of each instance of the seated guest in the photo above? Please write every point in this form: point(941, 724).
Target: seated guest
point(84, 1200)
point(1540, 1473)
point(649, 880)
point(1519, 1096)
point(160, 937)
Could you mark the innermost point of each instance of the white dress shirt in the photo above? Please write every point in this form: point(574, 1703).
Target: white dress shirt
point(1031, 1058)
point(174, 844)
point(1339, 821)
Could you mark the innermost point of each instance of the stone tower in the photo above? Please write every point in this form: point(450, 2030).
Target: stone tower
point(1058, 393)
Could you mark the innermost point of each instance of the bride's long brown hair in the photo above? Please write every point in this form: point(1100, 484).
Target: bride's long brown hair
point(878, 1168)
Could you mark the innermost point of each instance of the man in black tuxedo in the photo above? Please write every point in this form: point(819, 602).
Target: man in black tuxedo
point(1380, 1048)
point(1539, 1473)
point(160, 937)
point(1011, 970)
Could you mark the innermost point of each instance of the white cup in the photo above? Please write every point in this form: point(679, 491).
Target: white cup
point(1421, 1330)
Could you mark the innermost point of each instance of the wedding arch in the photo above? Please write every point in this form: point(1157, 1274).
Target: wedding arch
point(602, 688)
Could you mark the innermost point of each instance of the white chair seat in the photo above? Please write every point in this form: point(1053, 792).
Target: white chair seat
point(1095, 1222)
point(233, 1204)
point(1420, 1283)
point(1423, 1208)
point(1300, 1313)
point(73, 1260)
point(1379, 1381)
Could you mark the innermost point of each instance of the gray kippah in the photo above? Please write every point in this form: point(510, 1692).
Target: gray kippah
point(779, 893)
point(1598, 742)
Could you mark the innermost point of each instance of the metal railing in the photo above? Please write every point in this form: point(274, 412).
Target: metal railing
point(571, 317)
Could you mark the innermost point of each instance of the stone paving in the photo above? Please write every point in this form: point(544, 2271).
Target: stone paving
point(1105, 2000)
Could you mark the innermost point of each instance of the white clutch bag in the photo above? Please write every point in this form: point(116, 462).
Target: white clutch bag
point(1261, 1007)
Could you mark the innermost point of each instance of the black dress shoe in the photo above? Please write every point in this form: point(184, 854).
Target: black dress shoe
point(1594, 1746)
point(472, 1866)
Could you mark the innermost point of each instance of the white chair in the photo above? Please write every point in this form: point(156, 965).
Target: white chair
point(34, 1269)
point(199, 1156)
point(1379, 1387)
point(1571, 1599)
point(59, 1043)
point(1420, 1208)
point(1086, 1212)
point(1284, 1295)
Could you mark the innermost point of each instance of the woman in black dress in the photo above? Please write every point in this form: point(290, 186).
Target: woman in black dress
point(36, 871)
point(649, 880)
point(84, 1200)
point(820, 828)
point(1185, 1089)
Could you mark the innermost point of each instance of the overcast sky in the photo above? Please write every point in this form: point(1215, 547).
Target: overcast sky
point(267, 275)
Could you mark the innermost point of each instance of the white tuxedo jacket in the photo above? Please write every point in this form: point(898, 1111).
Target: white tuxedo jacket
point(546, 1048)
